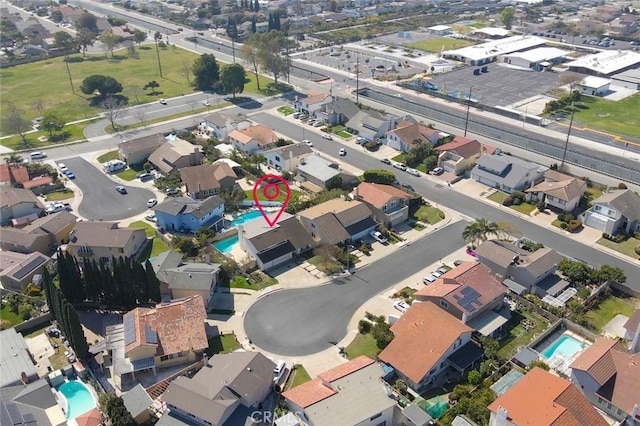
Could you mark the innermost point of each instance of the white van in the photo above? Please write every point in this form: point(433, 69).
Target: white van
point(114, 166)
point(277, 372)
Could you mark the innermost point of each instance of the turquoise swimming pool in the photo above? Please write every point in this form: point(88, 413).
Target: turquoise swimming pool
point(246, 217)
point(226, 246)
point(79, 398)
point(564, 345)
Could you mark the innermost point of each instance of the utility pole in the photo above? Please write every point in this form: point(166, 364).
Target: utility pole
point(566, 144)
point(233, 49)
point(66, 61)
point(155, 37)
point(466, 122)
point(357, 78)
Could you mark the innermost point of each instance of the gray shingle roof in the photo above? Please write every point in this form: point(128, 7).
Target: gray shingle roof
point(288, 151)
point(504, 169)
point(192, 276)
point(14, 358)
point(141, 144)
point(343, 106)
point(320, 168)
point(287, 230)
point(53, 223)
point(137, 400)
point(185, 205)
point(625, 201)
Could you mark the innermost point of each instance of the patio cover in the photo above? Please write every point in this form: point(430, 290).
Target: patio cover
point(525, 357)
point(518, 289)
point(489, 321)
point(464, 357)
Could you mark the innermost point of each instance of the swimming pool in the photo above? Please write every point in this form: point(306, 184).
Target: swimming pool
point(564, 345)
point(78, 397)
point(226, 246)
point(246, 217)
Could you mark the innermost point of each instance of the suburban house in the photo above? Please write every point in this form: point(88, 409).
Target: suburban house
point(57, 225)
point(545, 397)
point(16, 203)
point(338, 111)
point(429, 345)
point(608, 376)
point(507, 173)
point(271, 246)
point(175, 154)
point(370, 124)
point(20, 241)
point(316, 173)
point(253, 139)
point(311, 102)
point(407, 133)
point(614, 212)
point(138, 402)
point(356, 385)
point(137, 151)
point(472, 294)
point(389, 205)
point(220, 125)
point(37, 182)
point(337, 221)
point(171, 333)
point(32, 403)
point(535, 271)
point(226, 391)
point(13, 173)
point(632, 330)
point(97, 240)
point(287, 158)
point(17, 269)
point(558, 191)
point(179, 279)
point(208, 179)
point(15, 359)
point(185, 214)
point(459, 156)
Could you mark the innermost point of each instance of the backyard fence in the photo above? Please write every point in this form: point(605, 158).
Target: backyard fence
point(534, 308)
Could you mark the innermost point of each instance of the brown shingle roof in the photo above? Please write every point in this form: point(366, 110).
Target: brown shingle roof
point(332, 230)
point(260, 133)
point(624, 389)
point(101, 234)
point(53, 223)
point(378, 194)
point(541, 398)
point(409, 132)
point(422, 337)
point(143, 143)
point(314, 97)
point(633, 321)
point(566, 190)
point(206, 176)
point(464, 147)
point(13, 196)
point(597, 361)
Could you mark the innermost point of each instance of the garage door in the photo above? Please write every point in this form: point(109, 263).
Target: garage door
point(596, 221)
point(448, 168)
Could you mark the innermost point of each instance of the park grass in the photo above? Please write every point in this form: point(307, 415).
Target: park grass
point(222, 344)
point(108, 156)
point(362, 344)
point(157, 245)
point(608, 309)
point(286, 110)
point(60, 195)
point(428, 214)
point(74, 133)
point(435, 44)
point(625, 247)
point(300, 376)
point(617, 117)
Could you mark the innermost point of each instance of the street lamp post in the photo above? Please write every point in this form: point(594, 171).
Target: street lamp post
point(466, 122)
point(566, 144)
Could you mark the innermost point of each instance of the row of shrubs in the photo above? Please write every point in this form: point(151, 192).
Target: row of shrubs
point(615, 238)
point(514, 199)
point(571, 226)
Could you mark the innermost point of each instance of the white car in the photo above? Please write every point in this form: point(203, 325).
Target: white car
point(342, 152)
point(152, 202)
point(307, 142)
point(163, 101)
point(401, 306)
point(37, 155)
point(376, 235)
point(436, 274)
point(151, 218)
point(206, 103)
point(400, 166)
point(412, 171)
point(56, 207)
point(327, 136)
point(429, 279)
point(318, 124)
point(437, 171)
point(63, 168)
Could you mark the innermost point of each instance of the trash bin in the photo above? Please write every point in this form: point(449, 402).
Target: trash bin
point(476, 71)
point(484, 69)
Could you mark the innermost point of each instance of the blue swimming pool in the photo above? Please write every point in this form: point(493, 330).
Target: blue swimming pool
point(226, 246)
point(246, 217)
point(79, 398)
point(564, 345)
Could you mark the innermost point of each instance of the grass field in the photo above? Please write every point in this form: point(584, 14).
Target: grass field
point(74, 132)
point(619, 118)
point(608, 309)
point(435, 44)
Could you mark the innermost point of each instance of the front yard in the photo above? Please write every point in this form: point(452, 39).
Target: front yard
point(222, 344)
point(286, 110)
point(300, 376)
point(108, 156)
point(156, 246)
point(429, 214)
point(517, 335)
point(327, 266)
point(60, 195)
point(609, 308)
point(626, 247)
point(363, 344)
point(524, 208)
point(257, 281)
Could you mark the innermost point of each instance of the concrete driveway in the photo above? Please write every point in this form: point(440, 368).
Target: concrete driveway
point(299, 322)
point(100, 200)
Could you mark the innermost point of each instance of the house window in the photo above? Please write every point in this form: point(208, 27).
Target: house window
point(313, 225)
point(619, 411)
point(609, 406)
point(277, 158)
point(597, 208)
point(384, 208)
point(444, 304)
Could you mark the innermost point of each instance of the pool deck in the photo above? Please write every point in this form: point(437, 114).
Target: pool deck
point(561, 363)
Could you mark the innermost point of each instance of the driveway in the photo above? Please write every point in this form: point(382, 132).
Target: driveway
point(300, 322)
point(100, 200)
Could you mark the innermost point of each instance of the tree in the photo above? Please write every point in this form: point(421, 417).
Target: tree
point(578, 273)
point(113, 406)
point(87, 21)
point(186, 71)
point(379, 176)
point(250, 52)
point(85, 38)
point(153, 85)
point(401, 386)
point(184, 245)
point(64, 41)
point(52, 122)
point(205, 72)
point(14, 159)
point(479, 230)
point(14, 122)
point(112, 107)
point(570, 80)
point(539, 364)
point(233, 78)
point(157, 38)
point(474, 377)
point(105, 85)
point(56, 16)
point(508, 16)
point(253, 25)
point(606, 273)
point(270, 54)
point(232, 28)
point(139, 36)
point(110, 41)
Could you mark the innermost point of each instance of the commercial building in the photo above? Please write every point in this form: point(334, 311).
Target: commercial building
point(606, 63)
point(488, 52)
point(539, 59)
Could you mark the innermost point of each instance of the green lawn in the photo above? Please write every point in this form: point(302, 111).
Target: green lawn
point(300, 376)
point(11, 318)
point(58, 360)
point(399, 158)
point(344, 134)
point(608, 309)
point(258, 282)
point(127, 174)
point(111, 155)
point(557, 223)
point(157, 245)
point(517, 335)
point(222, 344)
point(435, 44)
point(281, 197)
point(428, 214)
point(363, 344)
point(60, 195)
point(74, 132)
point(499, 197)
point(330, 267)
point(626, 247)
point(417, 226)
point(617, 117)
point(286, 110)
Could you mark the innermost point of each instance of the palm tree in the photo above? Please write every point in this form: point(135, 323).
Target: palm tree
point(14, 158)
point(480, 230)
point(471, 233)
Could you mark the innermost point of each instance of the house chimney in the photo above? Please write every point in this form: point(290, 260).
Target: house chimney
point(501, 417)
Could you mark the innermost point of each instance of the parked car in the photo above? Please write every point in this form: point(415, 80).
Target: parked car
point(163, 101)
point(400, 166)
point(458, 262)
point(145, 176)
point(172, 191)
point(436, 274)
point(386, 161)
point(360, 140)
point(342, 152)
point(429, 279)
point(376, 235)
point(437, 171)
point(206, 103)
point(37, 155)
point(152, 202)
point(57, 206)
point(62, 167)
point(150, 217)
point(297, 114)
point(327, 136)
point(121, 189)
point(407, 186)
point(412, 171)
point(318, 124)
point(401, 306)
point(70, 174)
point(307, 142)
point(442, 270)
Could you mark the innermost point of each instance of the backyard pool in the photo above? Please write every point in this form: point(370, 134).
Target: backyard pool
point(226, 246)
point(79, 398)
point(566, 346)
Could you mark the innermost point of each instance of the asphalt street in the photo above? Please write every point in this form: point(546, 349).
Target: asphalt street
point(305, 321)
point(461, 203)
point(100, 200)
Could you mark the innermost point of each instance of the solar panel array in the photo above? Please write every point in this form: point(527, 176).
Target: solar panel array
point(129, 330)
point(468, 298)
point(10, 416)
point(150, 336)
point(28, 268)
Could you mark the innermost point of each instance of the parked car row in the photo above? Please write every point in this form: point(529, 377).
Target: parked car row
point(432, 277)
point(56, 206)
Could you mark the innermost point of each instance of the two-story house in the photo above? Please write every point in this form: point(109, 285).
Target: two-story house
point(42, 234)
point(388, 204)
point(311, 102)
point(97, 240)
point(253, 139)
point(208, 179)
point(138, 150)
point(370, 125)
point(18, 269)
point(429, 345)
point(460, 155)
point(176, 154)
point(408, 133)
point(356, 384)
point(16, 203)
point(471, 293)
point(337, 221)
point(185, 214)
point(220, 125)
point(338, 111)
point(558, 191)
point(287, 158)
point(317, 173)
point(57, 225)
point(507, 173)
point(614, 212)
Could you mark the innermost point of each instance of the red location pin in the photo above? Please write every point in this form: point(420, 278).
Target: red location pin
point(271, 191)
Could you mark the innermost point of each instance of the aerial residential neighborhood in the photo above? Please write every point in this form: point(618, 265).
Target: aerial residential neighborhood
point(329, 213)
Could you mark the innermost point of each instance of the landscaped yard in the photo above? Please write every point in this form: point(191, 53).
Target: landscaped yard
point(625, 247)
point(300, 376)
point(609, 308)
point(59, 359)
point(499, 197)
point(429, 214)
point(328, 267)
point(108, 156)
point(617, 117)
point(10, 318)
point(258, 282)
point(437, 43)
point(127, 174)
point(344, 134)
point(286, 110)
point(60, 195)
point(363, 344)
point(157, 245)
point(399, 158)
point(222, 344)
point(517, 335)
point(281, 197)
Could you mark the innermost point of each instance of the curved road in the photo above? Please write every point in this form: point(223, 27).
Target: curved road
point(305, 321)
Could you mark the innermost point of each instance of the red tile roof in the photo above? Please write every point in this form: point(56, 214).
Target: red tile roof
point(309, 393)
point(597, 361)
point(13, 173)
point(39, 181)
point(346, 369)
point(422, 337)
point(542, 399)
point(465, 147)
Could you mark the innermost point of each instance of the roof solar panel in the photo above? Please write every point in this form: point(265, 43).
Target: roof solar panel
point(129, 330)
point(150, 335)
point(28, 268)
point(29, 419)
point(468, 298)
point(14, 414)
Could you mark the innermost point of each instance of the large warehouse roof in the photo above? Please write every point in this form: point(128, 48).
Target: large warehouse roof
point(607, 62)
point(539, 54)
point(496, 47)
